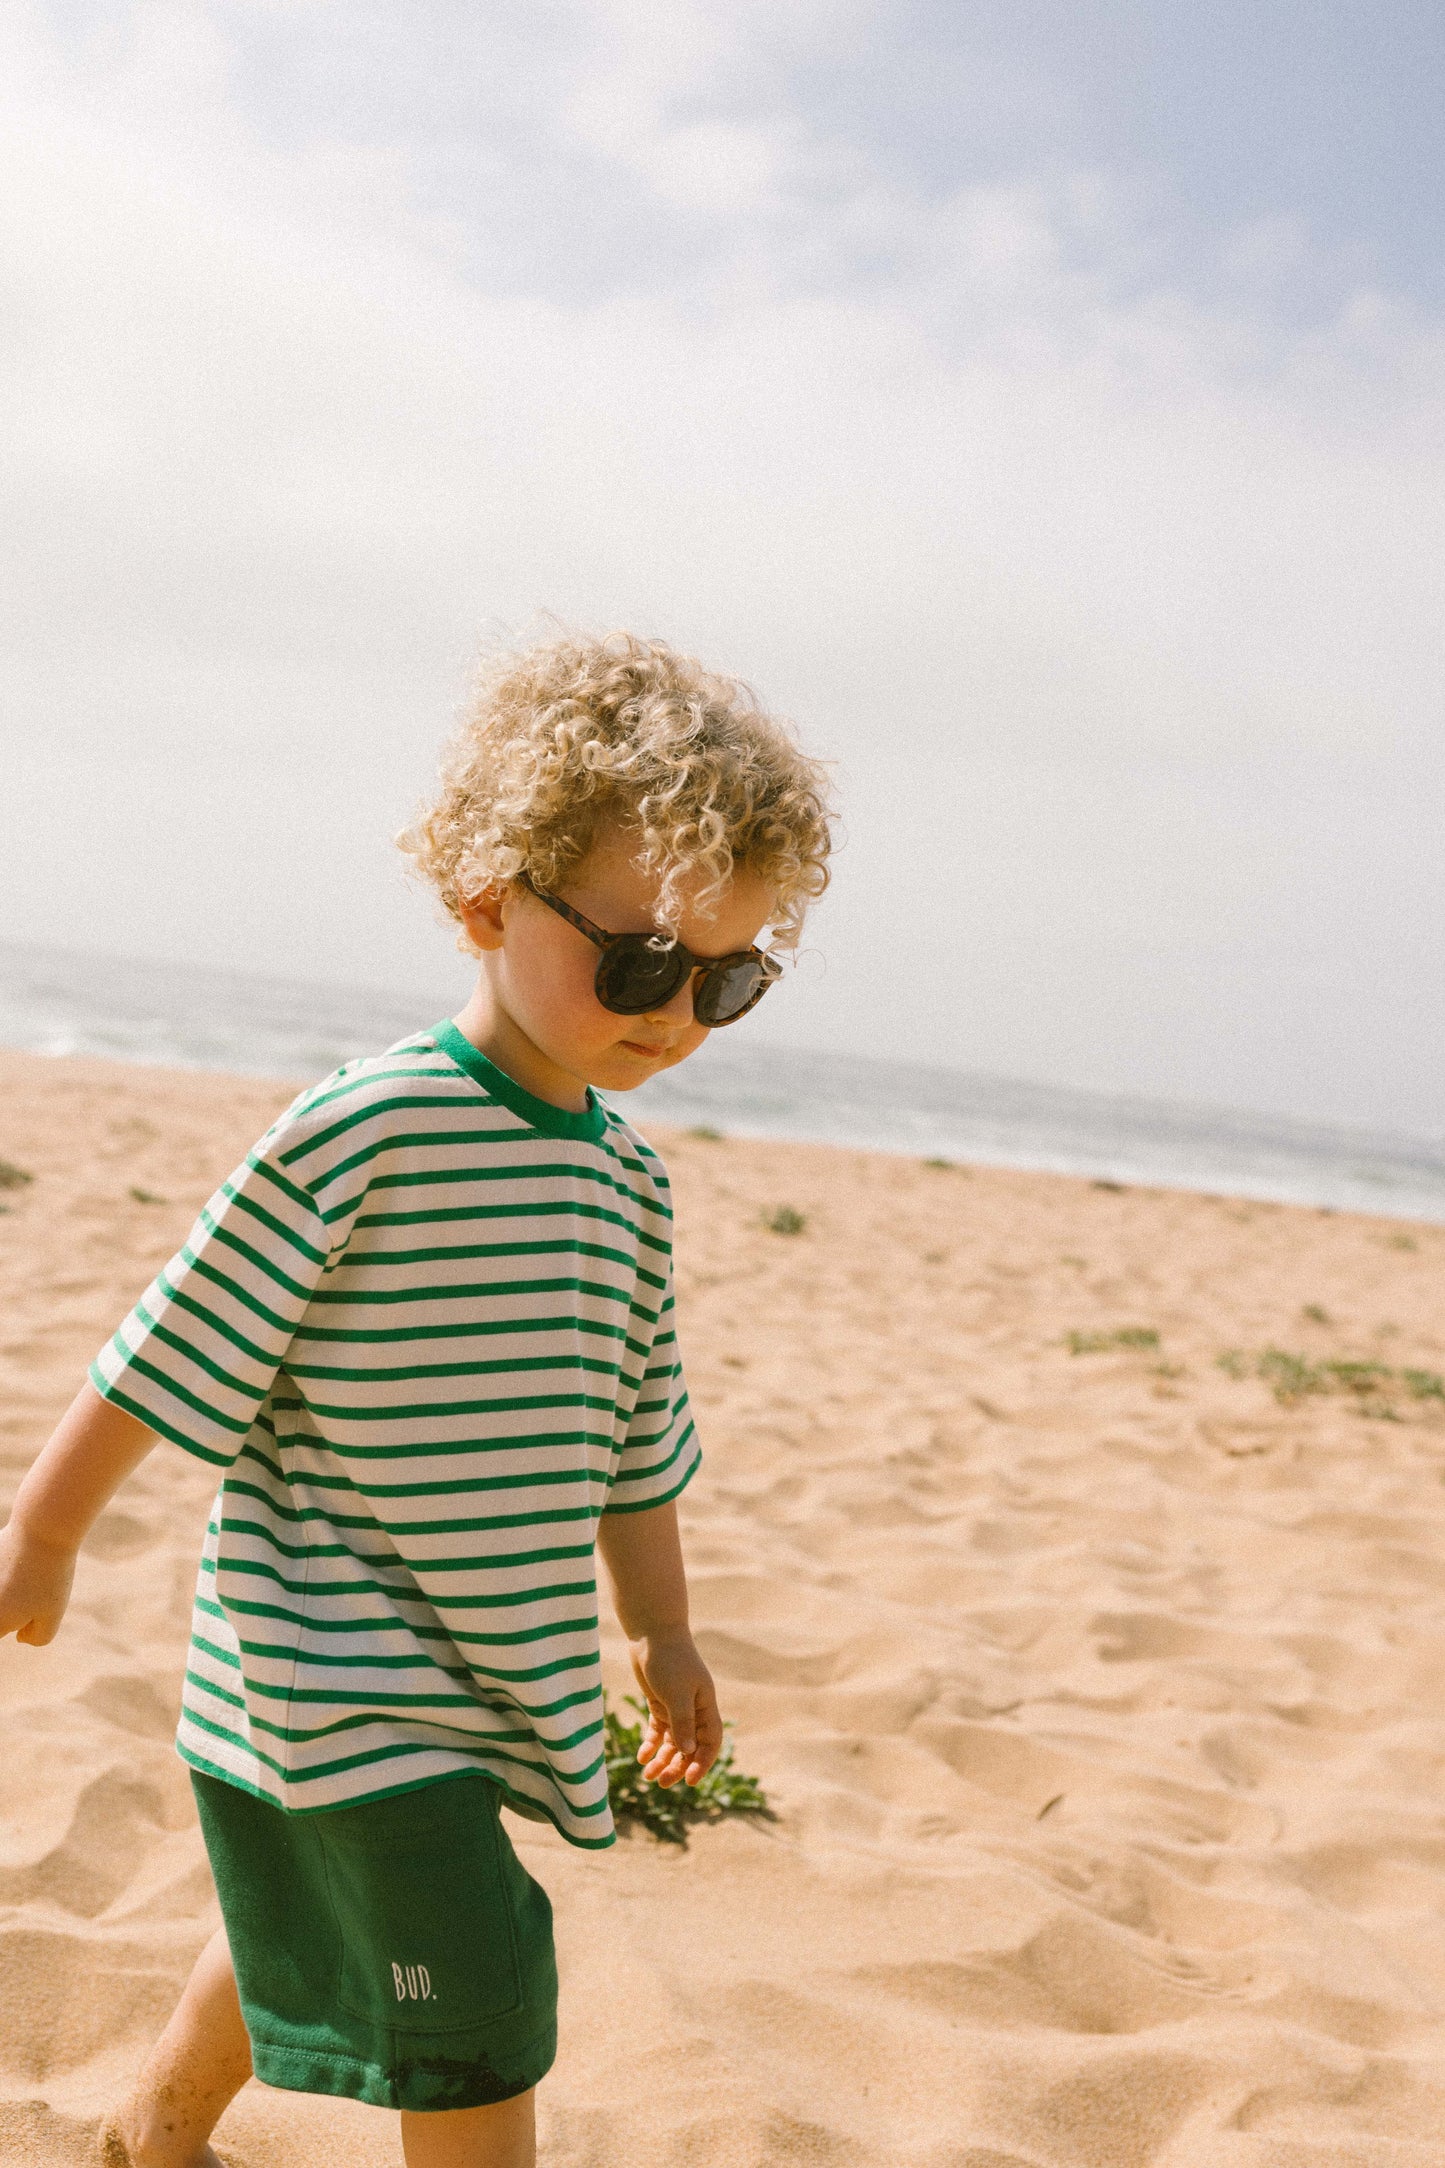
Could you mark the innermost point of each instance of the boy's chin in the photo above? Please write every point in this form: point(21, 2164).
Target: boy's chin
point(623, 1072)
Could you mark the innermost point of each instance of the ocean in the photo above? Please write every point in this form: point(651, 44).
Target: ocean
point(57, 1002)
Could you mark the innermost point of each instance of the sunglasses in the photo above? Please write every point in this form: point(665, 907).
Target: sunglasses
point(633, 974)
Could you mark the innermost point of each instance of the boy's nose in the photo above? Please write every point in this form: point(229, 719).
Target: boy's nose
point(679, 1009)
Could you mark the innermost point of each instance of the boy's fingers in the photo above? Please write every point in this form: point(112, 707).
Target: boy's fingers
point(664, 1764)
point(653, 1734)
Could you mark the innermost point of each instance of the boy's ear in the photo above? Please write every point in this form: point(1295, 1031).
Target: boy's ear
point(481, 915)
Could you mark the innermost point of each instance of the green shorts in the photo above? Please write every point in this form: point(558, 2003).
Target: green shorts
point(397, 1952)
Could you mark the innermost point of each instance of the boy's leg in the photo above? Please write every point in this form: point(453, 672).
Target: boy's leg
point(504, 2136)
point(194, 2071)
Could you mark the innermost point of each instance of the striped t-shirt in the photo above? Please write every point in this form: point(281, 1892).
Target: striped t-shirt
point(427, 1330)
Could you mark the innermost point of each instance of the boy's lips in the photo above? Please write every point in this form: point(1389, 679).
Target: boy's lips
point(650, 1053)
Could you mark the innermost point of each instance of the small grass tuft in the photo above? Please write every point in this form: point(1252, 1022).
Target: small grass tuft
point(671, 1814)
point(706, 1134)
point(1290, 1377)
point(1317, 1314)
point(1372, 1386)
point(145, 1196)
point(13, 1177)
point(784, 1221)
point(1099, 1343)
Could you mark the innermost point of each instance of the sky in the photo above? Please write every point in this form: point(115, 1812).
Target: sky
point(1042, 405)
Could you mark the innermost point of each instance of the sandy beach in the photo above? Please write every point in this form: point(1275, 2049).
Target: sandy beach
point(1098, 1683)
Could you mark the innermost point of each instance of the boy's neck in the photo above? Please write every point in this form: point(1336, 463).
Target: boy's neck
point(497, 1035)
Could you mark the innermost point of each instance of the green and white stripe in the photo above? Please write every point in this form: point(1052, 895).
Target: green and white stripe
point(427, 1330)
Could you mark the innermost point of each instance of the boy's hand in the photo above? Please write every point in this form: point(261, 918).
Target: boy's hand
point(93, 1449)
point(683, 1735)
point(35, 1579)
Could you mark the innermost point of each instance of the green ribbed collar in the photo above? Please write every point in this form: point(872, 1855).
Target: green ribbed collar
point(539, 1114)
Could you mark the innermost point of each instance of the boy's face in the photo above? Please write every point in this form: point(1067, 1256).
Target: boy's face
point(538, 974)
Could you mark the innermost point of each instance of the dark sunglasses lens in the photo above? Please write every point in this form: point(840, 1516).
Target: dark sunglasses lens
point(633, 976)
point(728, 989)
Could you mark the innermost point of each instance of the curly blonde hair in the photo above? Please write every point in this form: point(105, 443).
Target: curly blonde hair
point(586, 730)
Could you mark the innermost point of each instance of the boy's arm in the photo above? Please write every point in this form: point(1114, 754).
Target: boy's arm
point(93, 1449)
point(643, 1556)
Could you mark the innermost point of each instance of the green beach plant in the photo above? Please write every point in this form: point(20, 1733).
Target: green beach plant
point(784, 1221)
point(1373, 1386)
point(1099, 1343)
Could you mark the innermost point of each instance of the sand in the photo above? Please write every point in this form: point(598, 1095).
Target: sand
point(1101, 1694)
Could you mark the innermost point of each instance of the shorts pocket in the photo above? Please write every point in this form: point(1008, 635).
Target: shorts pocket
point(421, 1898)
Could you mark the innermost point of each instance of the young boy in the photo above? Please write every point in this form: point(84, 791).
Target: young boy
point(426, 1331)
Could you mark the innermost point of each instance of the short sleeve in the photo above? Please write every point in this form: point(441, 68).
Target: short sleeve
point(199, 1353)
point(660, 1453)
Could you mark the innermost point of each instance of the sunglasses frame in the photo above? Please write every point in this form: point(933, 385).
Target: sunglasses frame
point(608, 943)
